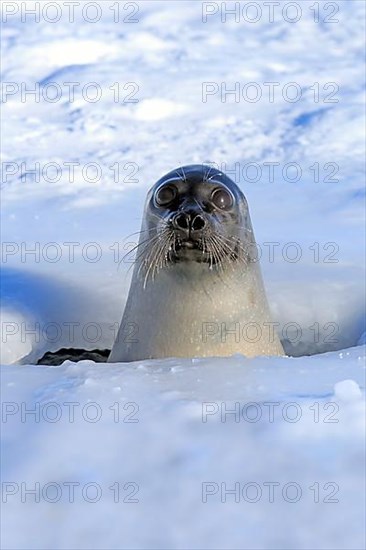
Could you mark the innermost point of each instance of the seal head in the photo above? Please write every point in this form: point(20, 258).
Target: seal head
point(195, 214)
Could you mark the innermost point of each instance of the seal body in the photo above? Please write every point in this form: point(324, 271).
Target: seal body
point(196, 289)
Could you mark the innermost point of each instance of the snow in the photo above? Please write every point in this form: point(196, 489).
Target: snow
point(183, 445)
point(347, 390)
point(162, 426)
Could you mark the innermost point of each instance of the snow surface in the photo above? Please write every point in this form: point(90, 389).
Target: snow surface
point(171, 451)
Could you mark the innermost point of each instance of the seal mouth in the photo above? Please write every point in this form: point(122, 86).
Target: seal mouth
point(187, 250)
point(191, 244)
point(193, 250)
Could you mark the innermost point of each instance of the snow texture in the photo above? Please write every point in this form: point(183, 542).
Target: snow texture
point(160, 431)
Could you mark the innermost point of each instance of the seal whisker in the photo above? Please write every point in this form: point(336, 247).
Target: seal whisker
point(151, 248)
point(234, 244)
point(206, 250)
point(220, 253)
point(148, 243)
point(227, 253)
point(211, 251)
point(158, 247)
point(158, 261)
point(161, 259)
point(150, 240)
point(215, 254)
point(182, 175)
point(206, 174)
point(219, 264)
point(138, 233)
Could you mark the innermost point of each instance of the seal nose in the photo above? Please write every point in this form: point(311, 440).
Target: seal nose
point(198, 223)
point(188, 222)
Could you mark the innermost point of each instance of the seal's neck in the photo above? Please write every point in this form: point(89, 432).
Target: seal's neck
point(189, 310)
point(195, 290)
point(193, 275)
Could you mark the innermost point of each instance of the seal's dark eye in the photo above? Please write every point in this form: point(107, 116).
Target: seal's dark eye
point(165, 195)
point(222, 198)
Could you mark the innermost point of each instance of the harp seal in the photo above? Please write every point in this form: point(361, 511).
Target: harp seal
point(196, 288)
